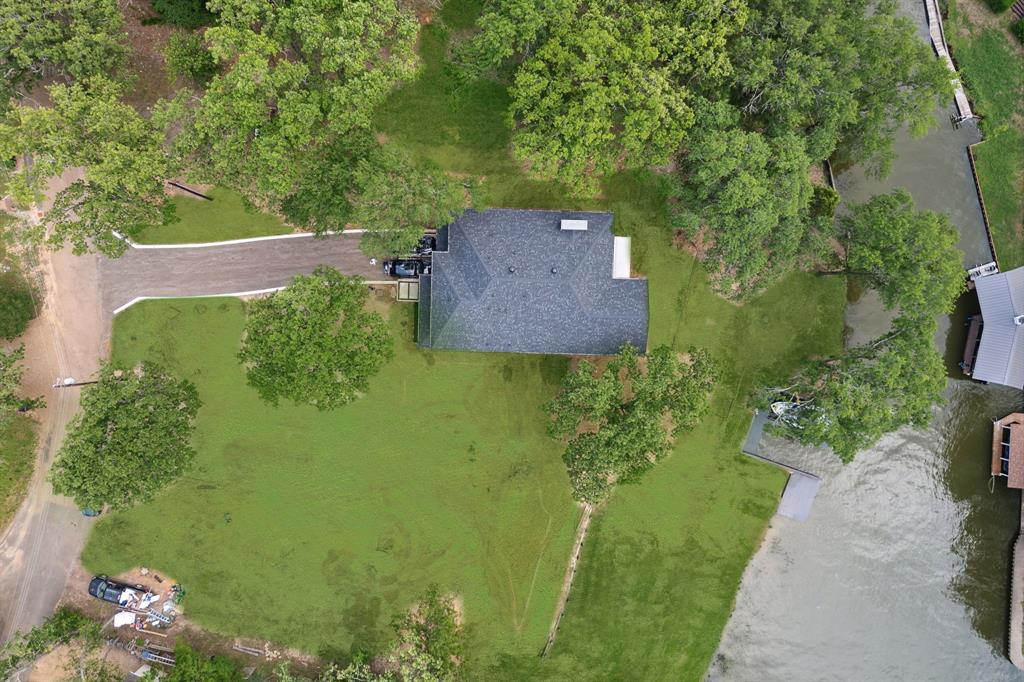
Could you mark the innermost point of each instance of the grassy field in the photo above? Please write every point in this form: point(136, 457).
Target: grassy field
point(992, 66)
point(314, 529)
point(226, 217)
point(17, 455)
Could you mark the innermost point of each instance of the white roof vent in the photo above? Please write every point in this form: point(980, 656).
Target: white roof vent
point(574, 224)
point(1018, 320)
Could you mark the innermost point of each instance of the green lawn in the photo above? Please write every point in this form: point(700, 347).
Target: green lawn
point(993, 71)
point(17, 456)
point(226, 217)
point(314, 529)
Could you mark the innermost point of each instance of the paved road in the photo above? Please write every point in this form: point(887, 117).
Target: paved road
point(41, 546)
point(226, 269)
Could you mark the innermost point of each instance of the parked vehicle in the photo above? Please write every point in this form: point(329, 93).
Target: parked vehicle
point(109, 590)
point(427, 245)
point(405, 268)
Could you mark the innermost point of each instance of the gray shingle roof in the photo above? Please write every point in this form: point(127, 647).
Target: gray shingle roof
point(1001, 351)
point(513, 281)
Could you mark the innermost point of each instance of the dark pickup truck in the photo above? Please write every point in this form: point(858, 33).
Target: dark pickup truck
point(109, 590)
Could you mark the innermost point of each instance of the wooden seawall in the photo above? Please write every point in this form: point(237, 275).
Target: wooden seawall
point(1017, 598)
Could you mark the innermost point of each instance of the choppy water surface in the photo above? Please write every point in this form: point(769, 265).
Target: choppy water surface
point(902, 570)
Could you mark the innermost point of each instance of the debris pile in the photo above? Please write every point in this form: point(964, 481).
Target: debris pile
point(148, 611)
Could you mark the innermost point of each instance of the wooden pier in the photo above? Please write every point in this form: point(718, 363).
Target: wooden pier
point(938, 36)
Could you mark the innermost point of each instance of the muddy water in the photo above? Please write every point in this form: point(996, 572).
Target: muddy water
point(902, 570)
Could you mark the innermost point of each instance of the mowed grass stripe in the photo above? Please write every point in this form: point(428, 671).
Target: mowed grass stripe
point(313, 529)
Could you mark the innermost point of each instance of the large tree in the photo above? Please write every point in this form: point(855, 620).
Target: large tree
point(852, 400)
point(297, 79)
point(397, 200)
point(314, 342)
point(618, 423)
point(63, 39)
point(910, 257)
point(131, 438)
point(605, 84)
point(750, 194)
point(121, 151)
point(845, 74)
point(849, 401)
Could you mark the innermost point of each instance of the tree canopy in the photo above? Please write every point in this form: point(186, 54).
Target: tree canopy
point(63, 626)
point(314, 342)
point(750, 193)
point(604, 84)
point(398, 199)
point(618, 423)
point(844, 74)
point(121, 151)
point(296, 79)
point(910, 257)
point(131, 438)
point(63, 39)
point(854, 399)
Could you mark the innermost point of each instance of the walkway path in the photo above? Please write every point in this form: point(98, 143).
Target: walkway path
point(938, 37)
point(238, 267)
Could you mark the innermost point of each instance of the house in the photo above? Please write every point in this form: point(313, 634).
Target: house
point(1000, 352)
point(526, 281)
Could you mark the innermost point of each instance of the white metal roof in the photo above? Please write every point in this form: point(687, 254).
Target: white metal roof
point(620, 258)
point(1001, 351)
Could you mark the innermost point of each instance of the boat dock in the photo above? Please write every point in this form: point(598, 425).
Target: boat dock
point(1008, 462)
point(938, 36)
point(801, 487)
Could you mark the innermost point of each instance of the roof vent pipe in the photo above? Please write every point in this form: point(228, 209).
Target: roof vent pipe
point(1019, 320)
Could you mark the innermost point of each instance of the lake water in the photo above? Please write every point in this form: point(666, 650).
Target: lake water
point(902, 570)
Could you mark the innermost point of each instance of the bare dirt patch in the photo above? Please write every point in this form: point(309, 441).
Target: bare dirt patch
point(146, 57)
point(53, 665)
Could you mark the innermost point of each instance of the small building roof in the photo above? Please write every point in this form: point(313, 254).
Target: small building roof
point(516, 281)
point(1001, 350)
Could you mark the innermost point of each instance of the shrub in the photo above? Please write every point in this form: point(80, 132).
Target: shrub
point(823, 202)
point(999, 6)
point(183, 13)
point(1018, 30)
point(187, 57)
point(16, 309)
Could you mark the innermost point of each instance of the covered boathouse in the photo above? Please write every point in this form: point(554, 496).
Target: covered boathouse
point(999, 334)
point(1008, 449)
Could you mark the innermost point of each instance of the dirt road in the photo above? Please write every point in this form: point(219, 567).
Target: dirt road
point(38, 549)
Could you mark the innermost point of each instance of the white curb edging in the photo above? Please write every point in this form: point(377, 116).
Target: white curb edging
point(231, 242)
point(233, 294)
